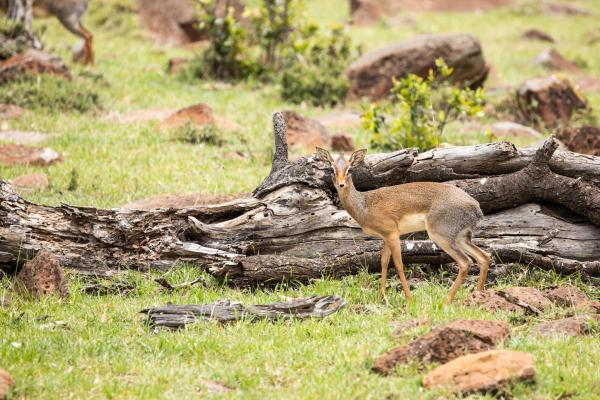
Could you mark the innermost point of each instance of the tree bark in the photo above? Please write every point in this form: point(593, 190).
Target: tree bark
point(542, 207)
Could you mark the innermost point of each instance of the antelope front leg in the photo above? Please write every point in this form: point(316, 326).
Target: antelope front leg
point(397, 256)
point(385, 260)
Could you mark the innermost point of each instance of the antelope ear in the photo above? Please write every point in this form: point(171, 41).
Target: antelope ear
point(324, 155)
point(358, 157)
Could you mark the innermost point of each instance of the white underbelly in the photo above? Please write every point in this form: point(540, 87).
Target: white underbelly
point(412, 223)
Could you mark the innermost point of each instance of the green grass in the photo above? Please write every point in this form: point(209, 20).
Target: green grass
point(107, 352)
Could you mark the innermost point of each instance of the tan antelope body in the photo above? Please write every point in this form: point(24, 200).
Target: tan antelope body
point(447, 213)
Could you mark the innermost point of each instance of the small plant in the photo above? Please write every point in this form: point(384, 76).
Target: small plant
point(227, 54)
point(420, 110)
point(208, 134)
point(315, 68)
point(50, 92)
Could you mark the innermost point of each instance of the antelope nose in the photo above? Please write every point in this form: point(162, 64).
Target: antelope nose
point(341, 185)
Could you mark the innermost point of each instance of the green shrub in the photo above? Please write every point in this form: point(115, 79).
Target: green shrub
point(279, 38)
point(50, 92)
point(227, 56)
point(419, 111)
point(314, 70)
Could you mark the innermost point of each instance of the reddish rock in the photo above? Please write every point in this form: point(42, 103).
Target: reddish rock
point(482, 372)
point(490, 300)
point(177, 64)
point(566, 296)
point(10, 111)
point(32, 62)
point(304, 131)
point(549, 100)
point(584, 140)
point(553, 60)
point(42, 276)
point(573, 326)
point(371, 75)
point(506, 130)
point(342, 143)
point(199, 115)
point(592, 307)
point(445, 343)
point(182, 200)
point(530, 296)
point(536, 34)
point(30, 183)
point(16, 154)
point(6, 383)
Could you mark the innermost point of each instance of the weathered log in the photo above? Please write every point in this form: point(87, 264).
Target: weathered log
point(292, 229)
point(175, 316)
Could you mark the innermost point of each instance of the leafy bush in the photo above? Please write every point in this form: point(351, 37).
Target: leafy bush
point(227, 54)
point(50, 92)
point(419, 111)
point(279, 38)
point(315, 69)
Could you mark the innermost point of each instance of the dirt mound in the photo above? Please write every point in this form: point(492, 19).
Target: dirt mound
point(445, 343)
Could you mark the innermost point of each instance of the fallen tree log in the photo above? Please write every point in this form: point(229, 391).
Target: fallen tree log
point(542, 207)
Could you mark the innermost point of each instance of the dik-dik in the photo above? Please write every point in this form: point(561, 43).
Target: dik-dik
point(69, 13)
point(447, 213)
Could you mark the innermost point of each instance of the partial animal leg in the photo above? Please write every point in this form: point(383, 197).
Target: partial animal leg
point(73, 25)
point(450, 246)
point(385, 260)
point(482, 258)
point(397, 256)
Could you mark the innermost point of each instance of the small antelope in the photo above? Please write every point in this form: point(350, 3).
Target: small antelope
point(69, 13)
point(447, 213)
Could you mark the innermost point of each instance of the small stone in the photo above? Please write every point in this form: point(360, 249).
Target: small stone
point(566, 296)
point(482, 372)
point(491, 301)
point(305, 131)
point(16, 154)
point(553, 60)
point(42, 276)
point(342, 143)
point(10, 111)
point(592, 307)
point(530, 296)
point(573, 326)
point(30, 183)
point(583, 139)
point(536, 34)
point(177, 64)
point(6, 383)
point(199, 115)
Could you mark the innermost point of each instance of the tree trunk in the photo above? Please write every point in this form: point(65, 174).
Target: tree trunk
point(542, 207)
